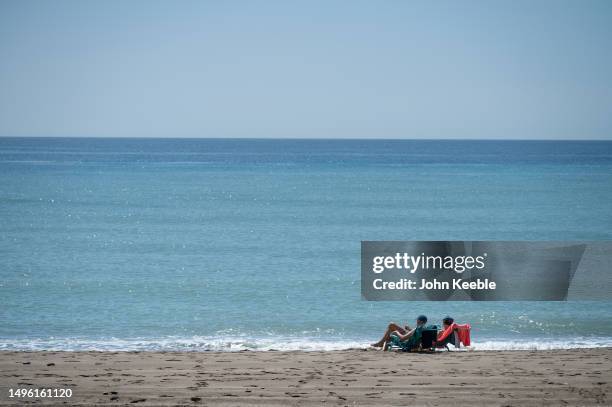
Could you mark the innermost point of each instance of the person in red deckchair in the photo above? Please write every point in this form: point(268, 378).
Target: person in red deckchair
point(453, 333)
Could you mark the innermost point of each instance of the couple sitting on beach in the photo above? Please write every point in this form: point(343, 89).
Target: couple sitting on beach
point(409, 339)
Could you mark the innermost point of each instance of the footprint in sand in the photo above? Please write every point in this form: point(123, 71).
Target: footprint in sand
point(331, 393)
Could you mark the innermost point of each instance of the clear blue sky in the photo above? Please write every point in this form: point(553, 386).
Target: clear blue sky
point(377, 69)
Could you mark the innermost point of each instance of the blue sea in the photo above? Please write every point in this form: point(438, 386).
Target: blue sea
point(218, 244)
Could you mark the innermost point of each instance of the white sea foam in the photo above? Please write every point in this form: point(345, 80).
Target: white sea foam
point(229, 344)
point(234, 344)
point(543, 344)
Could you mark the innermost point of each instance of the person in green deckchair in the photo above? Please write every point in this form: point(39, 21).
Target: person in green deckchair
point(404, 338)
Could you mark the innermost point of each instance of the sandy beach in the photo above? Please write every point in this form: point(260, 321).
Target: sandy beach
point(353, 377)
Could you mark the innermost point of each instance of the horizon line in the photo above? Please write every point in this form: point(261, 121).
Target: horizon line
point(299, 138)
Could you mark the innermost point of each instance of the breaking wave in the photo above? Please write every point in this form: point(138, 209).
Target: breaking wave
point(235, 344)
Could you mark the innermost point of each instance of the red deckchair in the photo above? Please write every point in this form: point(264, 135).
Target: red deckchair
point(461, 332)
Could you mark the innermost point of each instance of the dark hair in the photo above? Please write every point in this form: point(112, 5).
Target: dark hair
point(448, 320)
point(422, 318)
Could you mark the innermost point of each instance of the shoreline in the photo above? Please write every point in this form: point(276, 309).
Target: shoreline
point(291, 351)
point(361, 377)
point(283, 344)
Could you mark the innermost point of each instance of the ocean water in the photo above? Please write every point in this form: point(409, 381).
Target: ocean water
point(178, 244)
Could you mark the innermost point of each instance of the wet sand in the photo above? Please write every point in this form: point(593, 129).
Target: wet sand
point(354, 377)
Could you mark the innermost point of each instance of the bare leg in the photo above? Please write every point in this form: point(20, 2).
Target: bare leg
point(390, 329)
